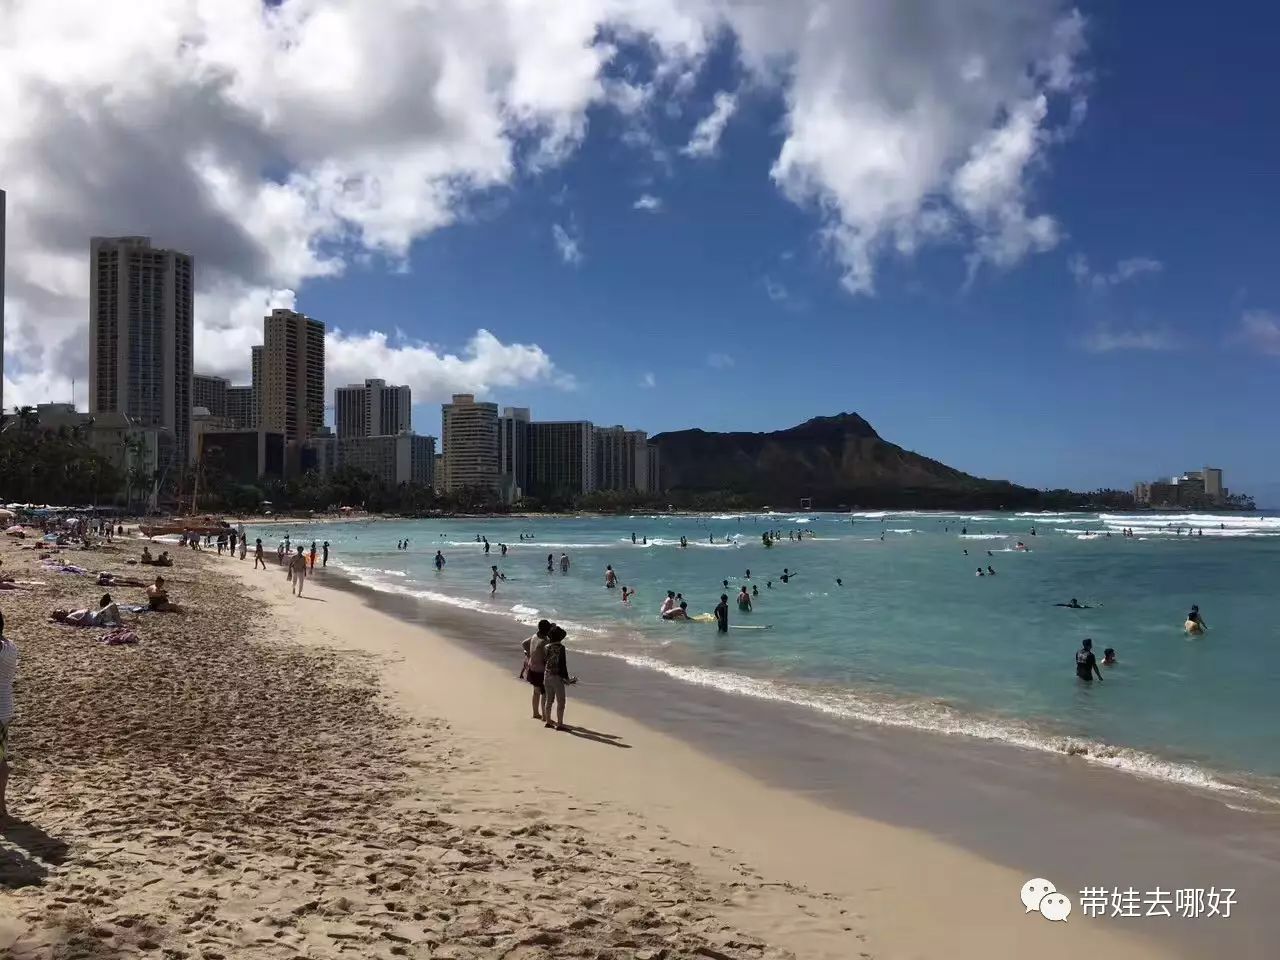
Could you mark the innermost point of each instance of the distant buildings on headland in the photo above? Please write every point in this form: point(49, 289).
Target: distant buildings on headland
point(1194, 488)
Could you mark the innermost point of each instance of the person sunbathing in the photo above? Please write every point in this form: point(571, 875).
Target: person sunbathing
point(112, 580)
point(107, 614)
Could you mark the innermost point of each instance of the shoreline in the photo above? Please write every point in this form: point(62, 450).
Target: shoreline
point(820, 841)
point(992, 799)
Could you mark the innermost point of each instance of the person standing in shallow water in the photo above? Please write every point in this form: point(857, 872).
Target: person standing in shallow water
point(1086, 662)
point(722, 614)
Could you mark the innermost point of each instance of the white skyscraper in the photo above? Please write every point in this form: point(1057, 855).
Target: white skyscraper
point(140, 334)
point(371, 409)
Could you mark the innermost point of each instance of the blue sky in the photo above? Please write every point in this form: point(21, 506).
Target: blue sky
point(1088, 294)
point(1176, 162)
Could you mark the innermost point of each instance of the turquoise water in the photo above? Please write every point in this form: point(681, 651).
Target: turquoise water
point(913, 638)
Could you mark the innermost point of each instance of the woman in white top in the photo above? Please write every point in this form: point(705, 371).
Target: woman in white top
point(8, 669)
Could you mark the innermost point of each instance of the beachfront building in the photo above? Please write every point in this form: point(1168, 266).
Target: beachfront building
point(140, 335)
point(246, 456)
point(394, 459)
point(255, 380)
point(654, 472)
point(292, 375)
point(1193, 488)
point(209, 392)
point(469, 438)
point(514, 432)
point(563, 458)
point(622, 459)
point(371, 409)
point(205, 421)
point(134, 449)
point(240, 406)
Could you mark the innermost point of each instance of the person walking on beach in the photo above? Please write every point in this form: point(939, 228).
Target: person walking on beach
point(231, 539)
point(313, 556)
point(257, 555)
point(1087, 663)
point(298, 568)
point(555, 677)
point(325, 562)
point(8, 670)
point(535, 662)
point(244, 547)
point(722, 614)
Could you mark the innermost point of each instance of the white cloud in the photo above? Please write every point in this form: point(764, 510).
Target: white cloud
point(1107, 339)
point(1260, 329)
point(648, 203)
point(484, 365)
point(706, 135)
point(648, 381)
point(775, 290)
point(916, 123)
point(1125, 270)
point(568, 245)
point(279, 143)
point(720, 361)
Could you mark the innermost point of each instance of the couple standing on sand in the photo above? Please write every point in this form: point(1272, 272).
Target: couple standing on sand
point(547, 670)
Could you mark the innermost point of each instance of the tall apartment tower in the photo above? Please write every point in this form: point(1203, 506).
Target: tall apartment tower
point(292, 374)
point(563, 458)
point(622, 459)
point(371, 409)
point(2, 219)
point(140, 334)
point(469, 437)
point(514, 438)
point(256, 385)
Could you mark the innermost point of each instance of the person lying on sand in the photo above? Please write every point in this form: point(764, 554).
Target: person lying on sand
point(112, 580)
point(158, 598)
point(107, 614)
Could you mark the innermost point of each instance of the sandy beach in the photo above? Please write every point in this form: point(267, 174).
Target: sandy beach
point(264, 776)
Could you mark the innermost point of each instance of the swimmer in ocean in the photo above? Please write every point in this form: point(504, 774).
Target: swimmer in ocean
point(439, 560)
point(744, 600)
point(1194, 617)
point(610, 578)
point(839, 582)
point(668, 605)
point(1109, 657)
point(979, 573)
point(1074, 605)
point(990, 572)
point(755, 591)
point(679, 613)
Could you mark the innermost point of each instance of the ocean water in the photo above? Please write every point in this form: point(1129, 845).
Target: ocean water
point(913, 638)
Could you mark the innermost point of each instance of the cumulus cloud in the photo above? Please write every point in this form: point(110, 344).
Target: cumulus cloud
point(720, 361)
point(648, 203)
point(280, 142)
point(1108, 339)
point(485, 364)
point(568, 245)
point(908, 124)
point(1100, 281)
point(1260, 330)
point(706, 135)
